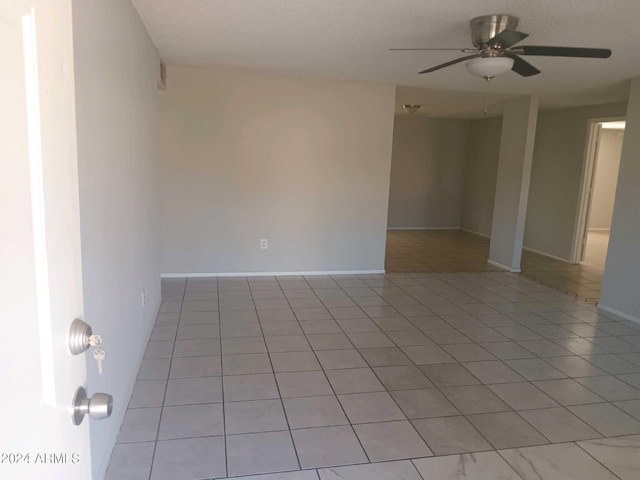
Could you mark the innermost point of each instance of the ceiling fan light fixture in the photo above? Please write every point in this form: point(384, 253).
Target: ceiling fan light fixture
point(489, 67)
point(411, 109)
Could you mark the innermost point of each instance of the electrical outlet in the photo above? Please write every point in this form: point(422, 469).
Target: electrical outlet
point(143, 298)
point(264, 244)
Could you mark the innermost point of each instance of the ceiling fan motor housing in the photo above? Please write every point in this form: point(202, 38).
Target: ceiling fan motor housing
point(488, 26)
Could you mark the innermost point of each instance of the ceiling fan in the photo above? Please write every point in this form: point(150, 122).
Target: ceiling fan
point(494, 37)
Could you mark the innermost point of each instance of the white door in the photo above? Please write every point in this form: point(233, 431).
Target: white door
point(40, 268)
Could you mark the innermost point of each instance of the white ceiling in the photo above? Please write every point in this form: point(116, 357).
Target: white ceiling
point(349, 39)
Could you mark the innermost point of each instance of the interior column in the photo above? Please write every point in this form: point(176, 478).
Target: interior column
point(512, 183)
point(621, 281)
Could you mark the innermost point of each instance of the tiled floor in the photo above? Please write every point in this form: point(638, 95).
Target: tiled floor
point(404, 376)
point(458, 251)
point(583, 280)
point(434, 251)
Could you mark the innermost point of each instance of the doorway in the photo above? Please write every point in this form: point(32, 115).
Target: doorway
point(600, 178)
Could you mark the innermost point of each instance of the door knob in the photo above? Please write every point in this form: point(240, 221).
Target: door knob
point(97, 407)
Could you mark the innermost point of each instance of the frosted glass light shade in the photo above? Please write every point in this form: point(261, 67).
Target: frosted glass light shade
point(489, 67)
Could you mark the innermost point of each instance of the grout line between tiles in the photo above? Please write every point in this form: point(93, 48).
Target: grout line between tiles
point(155, 445)
point(284, 411)
point(455, 286)
point(332, 389)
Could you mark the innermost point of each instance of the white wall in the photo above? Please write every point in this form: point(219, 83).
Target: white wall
point(427, 168)
point(115, 73)
point(480, 175)
point(606, 178)
point(301, 162)
point(622, 270)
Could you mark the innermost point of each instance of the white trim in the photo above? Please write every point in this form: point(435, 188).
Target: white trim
point(616, 314)
point(565, 260)
point(423, 228)
point(599, 229)
point(475, 233)
point(504, 267)
point(271, 274)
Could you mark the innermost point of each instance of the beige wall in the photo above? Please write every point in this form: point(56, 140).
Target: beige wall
point(480, 175)
point(427, 169)
point(116, 69)
point(606, 178)
point(301, 162)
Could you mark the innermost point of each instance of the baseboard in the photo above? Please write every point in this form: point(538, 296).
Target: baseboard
point(272, 274)
point(120, 418)
point(616, 314)
point(475, 233)
point(547, 255)
point(423, 228)
point(504, 267)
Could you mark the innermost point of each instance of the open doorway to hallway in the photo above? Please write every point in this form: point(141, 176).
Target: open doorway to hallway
point(604, 177)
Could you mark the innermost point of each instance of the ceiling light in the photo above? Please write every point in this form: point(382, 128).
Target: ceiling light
point(411, 109)
point(489, 67)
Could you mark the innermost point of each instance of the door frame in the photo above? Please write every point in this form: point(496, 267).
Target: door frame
point(581, 224)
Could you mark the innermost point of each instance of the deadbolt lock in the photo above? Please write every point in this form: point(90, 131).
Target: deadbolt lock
point(81, 337)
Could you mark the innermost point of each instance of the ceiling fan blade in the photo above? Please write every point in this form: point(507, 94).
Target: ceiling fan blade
point(506, 39)
point(432, 49)
point(452, 62)
point(564, 51)
point(522, 67)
